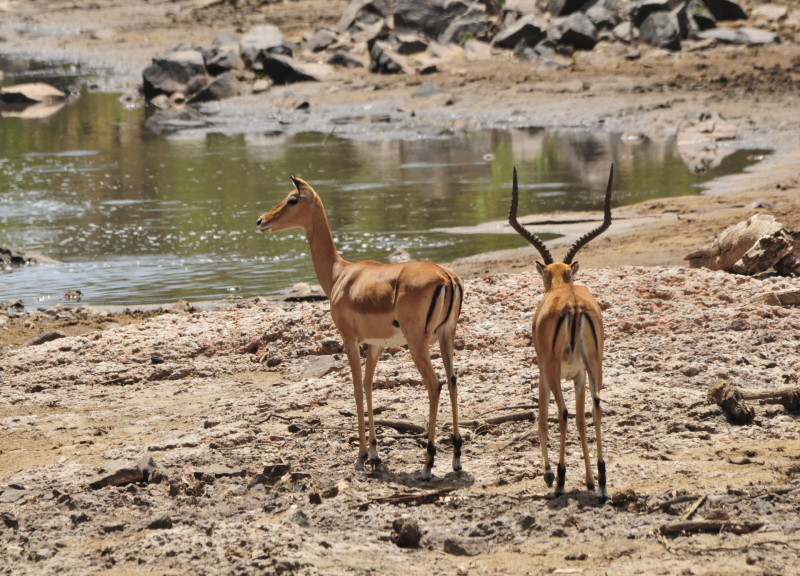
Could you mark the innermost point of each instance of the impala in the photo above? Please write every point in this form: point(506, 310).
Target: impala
point(568, 338)
point(380, 305)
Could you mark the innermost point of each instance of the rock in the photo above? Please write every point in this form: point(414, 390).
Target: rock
point(425, 90)
point(624, 31)
point(299, 517)
point(464, 547)
point(406, 533)
point(756, 37)
point(223, 86)
point(283, 70)
point(470, 24)
point(31, 93)
point(721, 35)
point(121, 477)
point(703, 128)
point(322, 39)
point(661, 29)
point(475, 50)
point(726, 9)
point(147, 466)
point(575, 30)
point(699, 14)
point(178, 71)
point(45, 337)
point(383, 60)
point(319, 366)
point(220, 471)
point(602, 13)
point(564, 7)
point(641, 9)
point(163, 522)
point(266, 38)
point(406, 44)
point(345, 59)
point(768, 252)
point(733, 243)
point(527, 31)
point(220, 60)
point(11, 495)
point(361, 13)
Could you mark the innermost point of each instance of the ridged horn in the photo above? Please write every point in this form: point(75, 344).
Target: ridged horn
point(589, 236)
point(529, 236)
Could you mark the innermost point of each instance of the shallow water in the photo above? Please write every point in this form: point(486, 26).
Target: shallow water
point(138, 218)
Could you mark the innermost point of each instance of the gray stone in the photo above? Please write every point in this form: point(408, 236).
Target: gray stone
point(259, 39)
point(178, 71)
point(603, 13)
point(624, 31)
point(661, 29)
point(575, 30)
point(345, 59)
point(443, 21)
point(757, 37)
point(471, 24)
point(464, 546)
point(121, 477)
point(726, 9)
point(284, 70)
point(425, 90)
point(221, 60)
point(45, 337)
point(383, 60)
point(700, 15)
point(409, 43)
point(11, 495)
point(641, 9)
point(322, 39)
point(564, 7)
point(360, 13)
point(527, 31)
point(722, 35)
point(319, 366)
point(223, 86)
point(475, 50)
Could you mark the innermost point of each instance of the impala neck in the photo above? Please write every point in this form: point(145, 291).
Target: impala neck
point(327, 261)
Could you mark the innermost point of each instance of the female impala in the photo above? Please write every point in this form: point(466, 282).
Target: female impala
point(380, 305)
point(568, 337)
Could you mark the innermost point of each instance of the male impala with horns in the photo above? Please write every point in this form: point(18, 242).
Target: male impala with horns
point(568, 338)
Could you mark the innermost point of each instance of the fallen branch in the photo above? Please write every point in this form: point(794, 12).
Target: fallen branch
point(413, 497)
point(402, 426)
point(732, 400)
point(715, 526)
point(693, 508)
point(514, 417)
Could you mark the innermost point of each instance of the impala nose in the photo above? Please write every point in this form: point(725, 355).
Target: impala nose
point(258, 223)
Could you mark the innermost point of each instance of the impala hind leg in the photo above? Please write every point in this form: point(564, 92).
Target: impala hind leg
point(594, 369)
point(420, 353)
point(373, 353)
point(354, 358)
point(446, 345)
point(580, 422)
point(562, 432)
point(544, 406)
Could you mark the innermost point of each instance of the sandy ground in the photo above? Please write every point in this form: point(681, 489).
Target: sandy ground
point(211, 395)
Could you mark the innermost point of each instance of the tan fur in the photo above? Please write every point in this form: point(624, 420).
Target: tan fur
point(379, 304)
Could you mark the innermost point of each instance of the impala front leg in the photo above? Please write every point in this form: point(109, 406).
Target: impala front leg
point(446, 345)
point(373, 352)
point(354, 358)
point(420, 353)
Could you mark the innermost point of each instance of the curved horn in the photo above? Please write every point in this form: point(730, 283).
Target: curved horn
point(530, 237)
point(589, 236)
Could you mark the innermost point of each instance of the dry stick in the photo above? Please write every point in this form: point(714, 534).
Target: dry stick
point(693, 508)
point(515, 417)
point(709, 526)
point(402, 426)
point(517, 407)
point(415, 498)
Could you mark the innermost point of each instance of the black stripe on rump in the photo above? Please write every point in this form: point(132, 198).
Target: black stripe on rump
point(433, 304)
point(558, 327)
point(591, 324)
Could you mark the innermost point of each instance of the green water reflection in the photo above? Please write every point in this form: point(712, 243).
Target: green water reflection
point(142, 218)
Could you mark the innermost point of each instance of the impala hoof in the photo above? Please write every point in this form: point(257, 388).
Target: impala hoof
point(374, 462)
point(548, 478)
point(456, 464)
point(602, 494)
point(426, 473)
point(360, 465)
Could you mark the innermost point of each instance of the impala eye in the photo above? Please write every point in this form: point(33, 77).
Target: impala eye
point(292, 200)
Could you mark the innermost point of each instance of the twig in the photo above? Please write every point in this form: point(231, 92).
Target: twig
point(709, 526)
point(515, 417)
point(402, 426)
point(517, 407)
point(325, 142)
point(693, 508)
point(413, 498)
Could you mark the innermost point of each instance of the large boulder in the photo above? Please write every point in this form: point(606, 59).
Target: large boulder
point(575, 30)
point(445, 22)
point(384, 60)
point(526, 31)
point(564, 7)
point(266, 38)
point(603, 13)
point(661, 29)
point(362, 13)
point(226, 85)
point(224, 54)
point(181, 70)
point(639, 10)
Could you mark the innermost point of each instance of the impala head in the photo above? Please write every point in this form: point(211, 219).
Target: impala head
point(555, 273)
point(293, 211)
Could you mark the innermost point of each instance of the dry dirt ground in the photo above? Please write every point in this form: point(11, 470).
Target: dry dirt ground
point(211, 395)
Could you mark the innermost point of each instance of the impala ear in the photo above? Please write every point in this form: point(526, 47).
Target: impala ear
point(296, 181)
point(303, 187)
point(540, 268)
point(573, 269)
